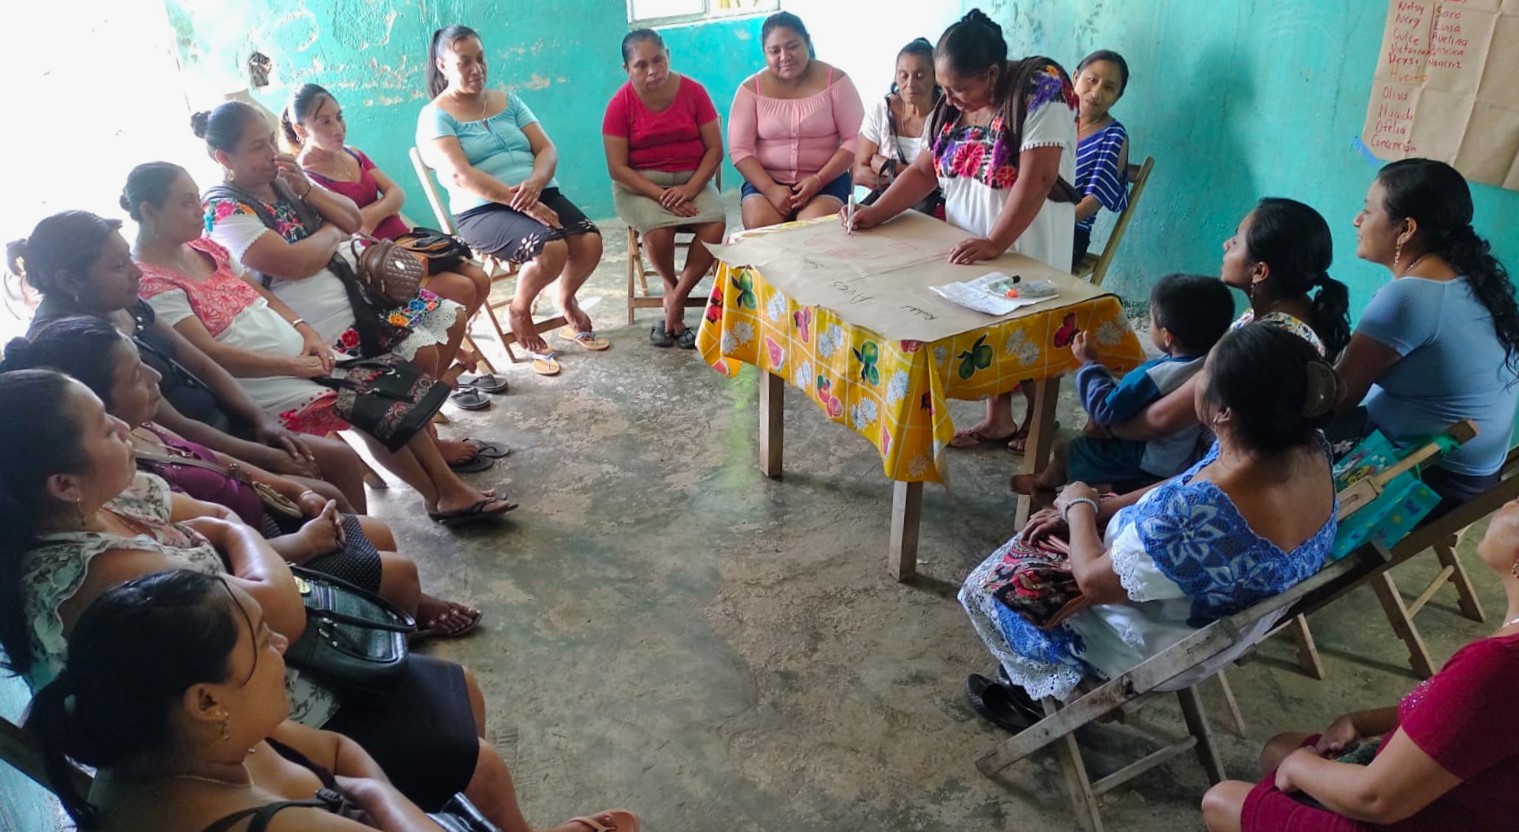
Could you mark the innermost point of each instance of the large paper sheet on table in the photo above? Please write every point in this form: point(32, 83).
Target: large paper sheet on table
point(879, 279)
point(1447, 87)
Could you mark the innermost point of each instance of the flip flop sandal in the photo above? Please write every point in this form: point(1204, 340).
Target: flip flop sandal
point(472, 621)
point(488, 449)
point(686, 340)
point(993, 703)
point(544, 363)
point(622, 821)
point(472, 514)
point(660, 337)
point(585, 340)
point(484, 382)
point(1018, 442)
point(972, 438)
point(473, 465)
point(469, 398)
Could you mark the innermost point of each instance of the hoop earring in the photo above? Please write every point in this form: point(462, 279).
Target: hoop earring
point(226, 726)
point(79, 511)
point(1514, 569)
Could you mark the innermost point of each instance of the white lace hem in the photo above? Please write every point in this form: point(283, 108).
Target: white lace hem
point(1039, 679)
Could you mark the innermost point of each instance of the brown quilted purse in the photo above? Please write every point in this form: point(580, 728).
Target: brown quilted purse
point(387, 271)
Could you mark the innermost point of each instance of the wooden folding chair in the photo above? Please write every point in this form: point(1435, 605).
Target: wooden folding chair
point(1094, 267)
point(1180, 669)
point(1441, 535)
point(19, 749)
point(499, 269)
point(637, 269)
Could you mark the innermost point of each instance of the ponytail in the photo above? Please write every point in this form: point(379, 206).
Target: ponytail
point(52, 722)
point(1331, 314)
point(446, 36)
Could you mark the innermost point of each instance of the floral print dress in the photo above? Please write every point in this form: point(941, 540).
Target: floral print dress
point(977, 166)
point(321, 299)
point(1185, 557)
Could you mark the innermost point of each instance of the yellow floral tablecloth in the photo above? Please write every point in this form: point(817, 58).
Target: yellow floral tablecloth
point(894, 393)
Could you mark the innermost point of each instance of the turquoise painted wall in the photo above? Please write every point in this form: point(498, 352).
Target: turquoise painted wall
point(1236, 101)
point(562, 58)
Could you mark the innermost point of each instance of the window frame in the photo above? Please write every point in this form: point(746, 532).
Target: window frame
point(766, 7)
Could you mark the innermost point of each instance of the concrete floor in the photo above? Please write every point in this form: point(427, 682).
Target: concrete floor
point(667, 630)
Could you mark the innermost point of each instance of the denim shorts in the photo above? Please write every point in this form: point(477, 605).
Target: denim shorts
point(838, 189)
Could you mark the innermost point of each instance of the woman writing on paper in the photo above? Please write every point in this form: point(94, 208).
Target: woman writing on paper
point(1002, 147)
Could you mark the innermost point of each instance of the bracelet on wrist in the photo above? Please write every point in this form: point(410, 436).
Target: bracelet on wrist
point(296, 324)
point(309, 186)
point(1065, 513)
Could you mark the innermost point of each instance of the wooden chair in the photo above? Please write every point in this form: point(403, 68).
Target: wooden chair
point(19, 750)
point(1094, 267)
point(637, 269)
point(499, 269)
point(1441, 535)
point(1181, 669)
point(1184, 666)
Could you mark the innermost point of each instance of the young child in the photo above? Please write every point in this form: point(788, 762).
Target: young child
point(1188, 314)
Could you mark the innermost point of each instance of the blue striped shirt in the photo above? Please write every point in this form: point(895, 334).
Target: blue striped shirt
point(1098, 173)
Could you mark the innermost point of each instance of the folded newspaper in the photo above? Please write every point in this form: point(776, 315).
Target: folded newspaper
point(995, 293)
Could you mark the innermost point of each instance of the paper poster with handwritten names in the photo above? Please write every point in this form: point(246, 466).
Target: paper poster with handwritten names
point(882, 279)
point(1447, 87)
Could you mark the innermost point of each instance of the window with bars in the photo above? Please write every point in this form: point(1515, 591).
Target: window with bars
point(664, 12)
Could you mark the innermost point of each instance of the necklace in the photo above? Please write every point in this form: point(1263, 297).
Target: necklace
point(1414, 262)
point(214, 780)
point(484, 101)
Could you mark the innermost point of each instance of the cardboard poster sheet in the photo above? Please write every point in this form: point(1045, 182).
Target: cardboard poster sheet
point(1447, 87)
point(879, 279)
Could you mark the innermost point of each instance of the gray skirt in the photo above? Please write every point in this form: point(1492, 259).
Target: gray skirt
point(643, 213)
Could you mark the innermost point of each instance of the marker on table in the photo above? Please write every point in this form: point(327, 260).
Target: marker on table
point(849, 216)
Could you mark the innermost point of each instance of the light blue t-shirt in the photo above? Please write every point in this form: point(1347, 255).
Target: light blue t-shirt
point(1452, 368)
point(496, 146)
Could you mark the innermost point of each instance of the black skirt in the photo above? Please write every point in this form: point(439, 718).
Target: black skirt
point(422, 732)
point(497, 229)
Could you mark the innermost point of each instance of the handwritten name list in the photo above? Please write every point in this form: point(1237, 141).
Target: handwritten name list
point(1447, 87)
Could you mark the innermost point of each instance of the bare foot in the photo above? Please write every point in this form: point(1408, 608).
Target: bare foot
point(437, 618)
point(574, 315)
point(455, 451)
point(525, 332)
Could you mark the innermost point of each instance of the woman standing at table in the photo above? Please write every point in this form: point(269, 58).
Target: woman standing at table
point(1003, 149)
point(663, 143)
point(792, 130)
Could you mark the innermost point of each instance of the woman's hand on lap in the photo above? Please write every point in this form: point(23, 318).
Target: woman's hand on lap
point(974, 250)
point(315, 347)
point(779, 196)
point(526, 195)
point(272, 435)
point(803, 192)
point(1044, 523)
point(1285, 782)
point(544, 214)
point(1338, 738)
point(323, 534)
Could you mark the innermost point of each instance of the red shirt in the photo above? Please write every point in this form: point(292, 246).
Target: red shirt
point(363, 192)
point(669, 140)
point(1462, 717)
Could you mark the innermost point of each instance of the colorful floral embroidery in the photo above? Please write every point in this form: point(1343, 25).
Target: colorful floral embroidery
point(217, 300)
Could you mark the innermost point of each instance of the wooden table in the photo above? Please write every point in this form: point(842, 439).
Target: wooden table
point(895, 393)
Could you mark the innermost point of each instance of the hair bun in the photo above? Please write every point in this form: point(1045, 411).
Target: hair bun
point(199, 122)
point(978, 18)
point(18, 354)
point(126, 204)
point(15, 256)
point(1323, 390)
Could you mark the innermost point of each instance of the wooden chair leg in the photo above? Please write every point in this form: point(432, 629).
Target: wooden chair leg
point(1466, 596)
point(1197, 725)
point(1403, 624)
point(1231, 705)
point(474, 347)
point(1307, 651)
point(634, 253)
point(501, 334)
point(1078, 784)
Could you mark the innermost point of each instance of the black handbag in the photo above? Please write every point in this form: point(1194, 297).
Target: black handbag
point(386, 397)
point(438, 252)
point(353, 638)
